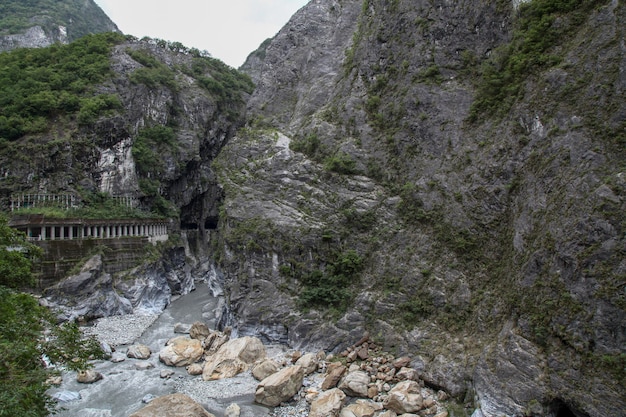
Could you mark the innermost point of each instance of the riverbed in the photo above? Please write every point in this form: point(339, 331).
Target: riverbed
point(127, 386)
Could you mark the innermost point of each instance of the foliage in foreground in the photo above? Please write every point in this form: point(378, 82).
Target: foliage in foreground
point(29, 336)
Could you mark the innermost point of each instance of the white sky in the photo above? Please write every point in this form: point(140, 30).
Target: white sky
point(228, 29)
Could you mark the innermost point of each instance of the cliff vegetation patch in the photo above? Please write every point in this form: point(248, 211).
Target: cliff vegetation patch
point(540, 29)
point(39, 85)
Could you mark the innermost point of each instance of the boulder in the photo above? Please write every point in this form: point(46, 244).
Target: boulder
point(308, 362)
point(279, 387)
point(166, 373)
point(233, 357)
point(181, 351)
point(407, 374)
point(355, 384)
point(173, 405)
point(358, 410)
point(333, 376)
point(214, 341)
point(402, 362)
point(195, 369)
point(88, 377)
point(199, 331)
point(143, 366)
point(264, 369)
point(182, 328)
point(328, 403)
point(138, 351)
point(405, 397)
point(66, 396)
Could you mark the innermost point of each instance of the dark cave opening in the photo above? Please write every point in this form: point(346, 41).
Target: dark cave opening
point(559, 408)
point(188, 225)
point(210, 223)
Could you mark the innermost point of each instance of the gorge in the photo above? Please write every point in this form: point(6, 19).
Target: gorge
point(448, 177)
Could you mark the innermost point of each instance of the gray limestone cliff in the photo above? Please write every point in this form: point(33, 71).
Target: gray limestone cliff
point(42, 23)
point(446, 176)
point(486, 205)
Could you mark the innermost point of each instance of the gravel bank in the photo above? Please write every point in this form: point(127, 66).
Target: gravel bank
point(120, 330)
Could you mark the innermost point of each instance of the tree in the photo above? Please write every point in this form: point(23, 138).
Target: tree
point(29, 335)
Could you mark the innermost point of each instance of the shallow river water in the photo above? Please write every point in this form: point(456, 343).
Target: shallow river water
point(126, 384)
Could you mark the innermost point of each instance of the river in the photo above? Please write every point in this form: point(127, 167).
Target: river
point(125, 384)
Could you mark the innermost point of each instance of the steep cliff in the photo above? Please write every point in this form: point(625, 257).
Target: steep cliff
point(40, 23)
point(110, 118)
point(114, 115)
point(448, 176)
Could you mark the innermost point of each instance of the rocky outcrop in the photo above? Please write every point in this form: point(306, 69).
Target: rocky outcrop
point(93, 293)
point(488, 238)
point(265, 368)
point(88, 295)
point(405, 397)
point(54, 24)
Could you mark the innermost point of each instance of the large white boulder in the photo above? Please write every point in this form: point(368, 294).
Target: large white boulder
point(279, 387)
point(233, 357)
point(181, 351)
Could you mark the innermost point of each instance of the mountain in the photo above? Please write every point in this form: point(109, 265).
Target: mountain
point(472, 154)
point(39, 23)
point(447, 177)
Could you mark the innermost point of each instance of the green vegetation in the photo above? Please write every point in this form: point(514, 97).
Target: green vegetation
point(22, 343)
point(542, 25)
point(154, 73)
point(416, 308)
point(150, 145)
point(310, 145)
point(330, 289)
point(39, 85)
point(341, 163)
point(227, 85)
point(80, 17)
point(94, 206)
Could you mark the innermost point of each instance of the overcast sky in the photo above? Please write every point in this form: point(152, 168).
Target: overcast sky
point(228, 29)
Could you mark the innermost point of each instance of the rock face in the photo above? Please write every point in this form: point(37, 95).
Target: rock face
point(408, 168)
point(174, 405)
point(88, 295)
point(55, 25)
point(235, 356)
point(94, 293)
point(496, 235)
point(279, 387)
